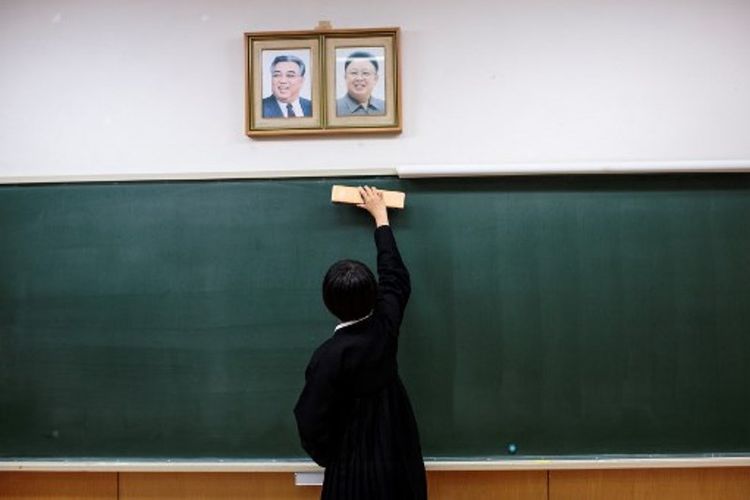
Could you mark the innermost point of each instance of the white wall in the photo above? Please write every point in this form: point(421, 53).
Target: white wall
point(136, 86)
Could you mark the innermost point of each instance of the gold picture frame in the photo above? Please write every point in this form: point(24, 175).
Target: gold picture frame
point(322, 82)
point(296, 60)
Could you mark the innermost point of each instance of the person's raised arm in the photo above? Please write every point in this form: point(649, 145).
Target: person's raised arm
point(394, 285)
point(373, 202)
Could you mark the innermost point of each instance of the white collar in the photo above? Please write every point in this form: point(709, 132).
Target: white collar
point(296, 106)
point(349, 323)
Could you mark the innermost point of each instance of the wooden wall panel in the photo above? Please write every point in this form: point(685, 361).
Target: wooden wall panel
point(58, 485)
point(651, 484)
point(631, 484)
point(496, 485)
point(214, 486)
point(526, 485)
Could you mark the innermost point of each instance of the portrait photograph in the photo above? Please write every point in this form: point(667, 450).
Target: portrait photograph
point(360, 77)
point(286, 88)
point(284, 92)
point(362, 89)
point(322, 82)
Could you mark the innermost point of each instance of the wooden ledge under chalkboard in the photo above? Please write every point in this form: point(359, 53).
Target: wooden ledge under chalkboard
point(490, 464)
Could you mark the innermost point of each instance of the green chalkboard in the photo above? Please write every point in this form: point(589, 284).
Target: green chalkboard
point(566, 315)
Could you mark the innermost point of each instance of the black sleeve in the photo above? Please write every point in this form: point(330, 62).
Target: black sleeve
point(315, 410)
point(394, 285)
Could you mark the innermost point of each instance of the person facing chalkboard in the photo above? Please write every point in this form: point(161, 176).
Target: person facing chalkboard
point(354, 416)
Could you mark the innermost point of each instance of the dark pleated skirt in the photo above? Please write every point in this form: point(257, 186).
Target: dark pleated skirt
point(380, 456)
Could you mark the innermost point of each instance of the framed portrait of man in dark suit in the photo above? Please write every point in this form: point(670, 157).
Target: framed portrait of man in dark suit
point(286, 84)
point(323, 81)
point(283, 87)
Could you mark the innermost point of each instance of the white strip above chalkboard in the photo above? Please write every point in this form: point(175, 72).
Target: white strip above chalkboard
point(407, 171)
point(197, 176)
point(633, 167)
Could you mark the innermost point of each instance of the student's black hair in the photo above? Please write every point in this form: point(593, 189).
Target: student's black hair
point(349, 290)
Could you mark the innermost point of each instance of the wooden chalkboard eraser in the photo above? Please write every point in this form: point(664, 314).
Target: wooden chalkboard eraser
point(347, 194)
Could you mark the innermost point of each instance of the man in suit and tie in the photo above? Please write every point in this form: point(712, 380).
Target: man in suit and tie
point(287, 77)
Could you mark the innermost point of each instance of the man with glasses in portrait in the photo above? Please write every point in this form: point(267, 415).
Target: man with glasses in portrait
point(287, 78)
point(361, 76)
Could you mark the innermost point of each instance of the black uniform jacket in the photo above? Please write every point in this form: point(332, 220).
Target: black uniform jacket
point(354, 416)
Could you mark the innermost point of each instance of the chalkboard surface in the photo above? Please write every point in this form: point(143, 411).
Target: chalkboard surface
point(565, 315)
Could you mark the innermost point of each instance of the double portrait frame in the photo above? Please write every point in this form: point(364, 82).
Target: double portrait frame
point(322, 82)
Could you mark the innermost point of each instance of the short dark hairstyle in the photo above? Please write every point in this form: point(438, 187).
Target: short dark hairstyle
point(289, 58)
point(361, 54)
point(349, 290)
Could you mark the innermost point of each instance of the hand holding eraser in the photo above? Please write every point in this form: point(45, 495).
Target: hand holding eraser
point(346, 194)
